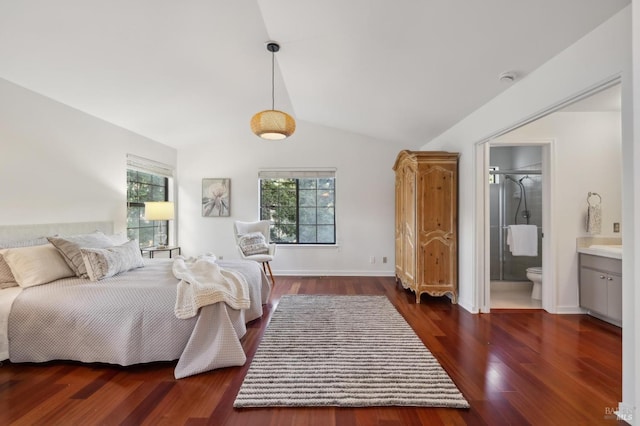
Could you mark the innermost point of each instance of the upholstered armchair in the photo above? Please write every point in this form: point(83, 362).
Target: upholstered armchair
point(253, 242)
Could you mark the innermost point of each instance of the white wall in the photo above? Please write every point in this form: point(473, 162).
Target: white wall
point(598, 57)
point(595, 58)
point(631, 211)
point(588, 158)
point(364, 205)
point(58, 164)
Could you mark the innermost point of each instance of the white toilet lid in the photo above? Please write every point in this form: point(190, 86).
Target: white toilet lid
point(535, 269)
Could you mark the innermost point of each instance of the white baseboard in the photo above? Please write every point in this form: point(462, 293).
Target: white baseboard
point(569, 310)
point(325, 273)
point(468, 306)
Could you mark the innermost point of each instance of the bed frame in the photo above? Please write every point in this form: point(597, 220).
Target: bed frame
point(11, 233)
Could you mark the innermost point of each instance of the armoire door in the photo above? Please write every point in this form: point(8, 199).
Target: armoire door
point(409, 224)
point(399, 221)
point(437, 225)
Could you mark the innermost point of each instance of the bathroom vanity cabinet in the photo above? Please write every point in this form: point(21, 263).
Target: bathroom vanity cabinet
point(601, 287)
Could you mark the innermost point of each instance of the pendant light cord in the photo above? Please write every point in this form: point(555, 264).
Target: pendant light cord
point(273, 90)
point(273, 124)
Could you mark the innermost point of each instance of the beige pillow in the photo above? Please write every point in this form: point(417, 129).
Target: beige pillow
point(36, 265)
point(6, 277)
point(69, 248)
point(104, 263)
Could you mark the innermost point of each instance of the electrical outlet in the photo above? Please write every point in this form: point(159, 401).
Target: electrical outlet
point(616, 227)
point(372, 259)
point(384, 259)
point(220, 257)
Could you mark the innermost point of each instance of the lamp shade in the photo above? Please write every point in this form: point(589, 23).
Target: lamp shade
point(158, 210)
point(273, 124)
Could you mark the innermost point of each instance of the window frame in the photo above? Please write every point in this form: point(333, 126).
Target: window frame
point(298, 175)
point(156, 170)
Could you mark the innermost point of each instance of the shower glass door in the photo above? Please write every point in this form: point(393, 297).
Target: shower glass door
point(516, 198)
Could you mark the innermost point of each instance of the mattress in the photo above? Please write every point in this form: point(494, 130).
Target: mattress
point(129, 319)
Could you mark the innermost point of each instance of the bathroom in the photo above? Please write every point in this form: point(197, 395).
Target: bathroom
point(516, 199)
point(561, 158)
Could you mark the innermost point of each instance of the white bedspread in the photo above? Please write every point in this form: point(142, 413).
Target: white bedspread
point(203, 282)
point(129, 319)
point(7, 296)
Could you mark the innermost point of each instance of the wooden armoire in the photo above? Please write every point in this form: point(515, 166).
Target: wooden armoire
point(426, 228)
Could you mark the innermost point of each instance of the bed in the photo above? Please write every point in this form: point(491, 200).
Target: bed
point(127, 318)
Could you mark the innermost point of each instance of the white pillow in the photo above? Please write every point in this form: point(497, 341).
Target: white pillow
point(253, 243)
point(69, 248)
point(36, 265)
point(103, 263)
point(118, 239)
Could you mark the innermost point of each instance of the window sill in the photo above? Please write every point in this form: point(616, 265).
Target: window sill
point(291, 246)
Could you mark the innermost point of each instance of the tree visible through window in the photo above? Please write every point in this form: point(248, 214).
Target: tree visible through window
point(143, 187)
point(302, 210)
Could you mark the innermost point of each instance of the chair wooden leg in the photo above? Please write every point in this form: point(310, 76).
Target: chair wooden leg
point(273, 282)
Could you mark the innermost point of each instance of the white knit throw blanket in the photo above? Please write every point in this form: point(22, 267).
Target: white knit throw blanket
point(204, 282)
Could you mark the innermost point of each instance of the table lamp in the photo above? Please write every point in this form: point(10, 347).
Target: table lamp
point(159, 211)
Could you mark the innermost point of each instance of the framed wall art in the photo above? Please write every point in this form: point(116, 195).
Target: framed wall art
point(216, 197)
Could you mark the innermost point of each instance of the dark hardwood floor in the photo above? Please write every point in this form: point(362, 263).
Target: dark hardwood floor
point(523, 367)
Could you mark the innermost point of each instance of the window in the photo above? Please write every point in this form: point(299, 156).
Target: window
point(146, 181)
point(300, 205)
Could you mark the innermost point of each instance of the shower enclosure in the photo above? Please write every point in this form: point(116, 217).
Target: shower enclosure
point(516, 198)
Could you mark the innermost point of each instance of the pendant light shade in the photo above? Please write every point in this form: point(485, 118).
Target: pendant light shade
point(272, 124)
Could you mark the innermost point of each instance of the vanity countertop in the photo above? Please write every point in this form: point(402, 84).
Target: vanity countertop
point(604, 250)
point(600, 246)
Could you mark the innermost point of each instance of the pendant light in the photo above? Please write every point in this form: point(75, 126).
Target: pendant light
point(272, 124)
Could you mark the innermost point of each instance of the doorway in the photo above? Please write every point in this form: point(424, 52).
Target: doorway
point(516, 207)
point(536, 155)
point(576, 139)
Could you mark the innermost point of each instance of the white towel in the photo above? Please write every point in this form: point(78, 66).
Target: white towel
point(523, 240)
point(594, 219)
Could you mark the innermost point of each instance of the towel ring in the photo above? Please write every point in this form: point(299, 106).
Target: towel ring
point(593, 194)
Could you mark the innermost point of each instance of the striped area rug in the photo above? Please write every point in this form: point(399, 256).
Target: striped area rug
point(346, 351)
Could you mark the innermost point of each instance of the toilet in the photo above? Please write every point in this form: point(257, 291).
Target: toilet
point(534, 274)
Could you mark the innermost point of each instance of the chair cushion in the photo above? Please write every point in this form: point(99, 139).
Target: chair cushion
point(253, 243)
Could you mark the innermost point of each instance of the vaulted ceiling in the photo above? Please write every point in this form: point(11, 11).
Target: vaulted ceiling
point(180, 71)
